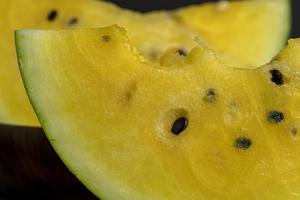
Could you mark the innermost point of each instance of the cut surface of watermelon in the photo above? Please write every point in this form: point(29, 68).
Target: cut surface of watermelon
point(152, 33)
point(233, 28)
point(192, 129)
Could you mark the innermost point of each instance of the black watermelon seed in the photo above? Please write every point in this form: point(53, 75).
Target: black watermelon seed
point(179, 125)
point(52, 15)
point(277, 77)
point(182, 52)
point(106, 38)
point(275, 117)
point(210, 96)
point(243, 143)
point(73, 21)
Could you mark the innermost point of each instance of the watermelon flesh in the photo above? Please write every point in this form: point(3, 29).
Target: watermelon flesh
point(14, 104)
point(243, 29)
point(176, 29)
point(193, 129)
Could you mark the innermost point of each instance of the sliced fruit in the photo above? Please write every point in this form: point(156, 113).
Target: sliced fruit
point(14, 105)
point(193, 129)
point(151, 33)
point(242, 31)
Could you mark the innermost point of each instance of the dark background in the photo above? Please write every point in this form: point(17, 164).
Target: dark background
point(148, 5)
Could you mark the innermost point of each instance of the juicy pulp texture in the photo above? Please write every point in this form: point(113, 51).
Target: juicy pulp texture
point(14, 105)
point(193, 129)
point(238, 43)
point(152, 33)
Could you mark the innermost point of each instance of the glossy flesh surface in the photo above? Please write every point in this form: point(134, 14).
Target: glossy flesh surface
point(111, 115)
point(152, 33)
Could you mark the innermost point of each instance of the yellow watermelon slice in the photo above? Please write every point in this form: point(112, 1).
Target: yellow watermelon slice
point(238, 43)
point(195, 129)
point(151, 33)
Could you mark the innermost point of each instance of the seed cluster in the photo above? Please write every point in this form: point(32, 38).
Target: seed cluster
point(242, 143)
point(181, 123)
point(53, 15)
